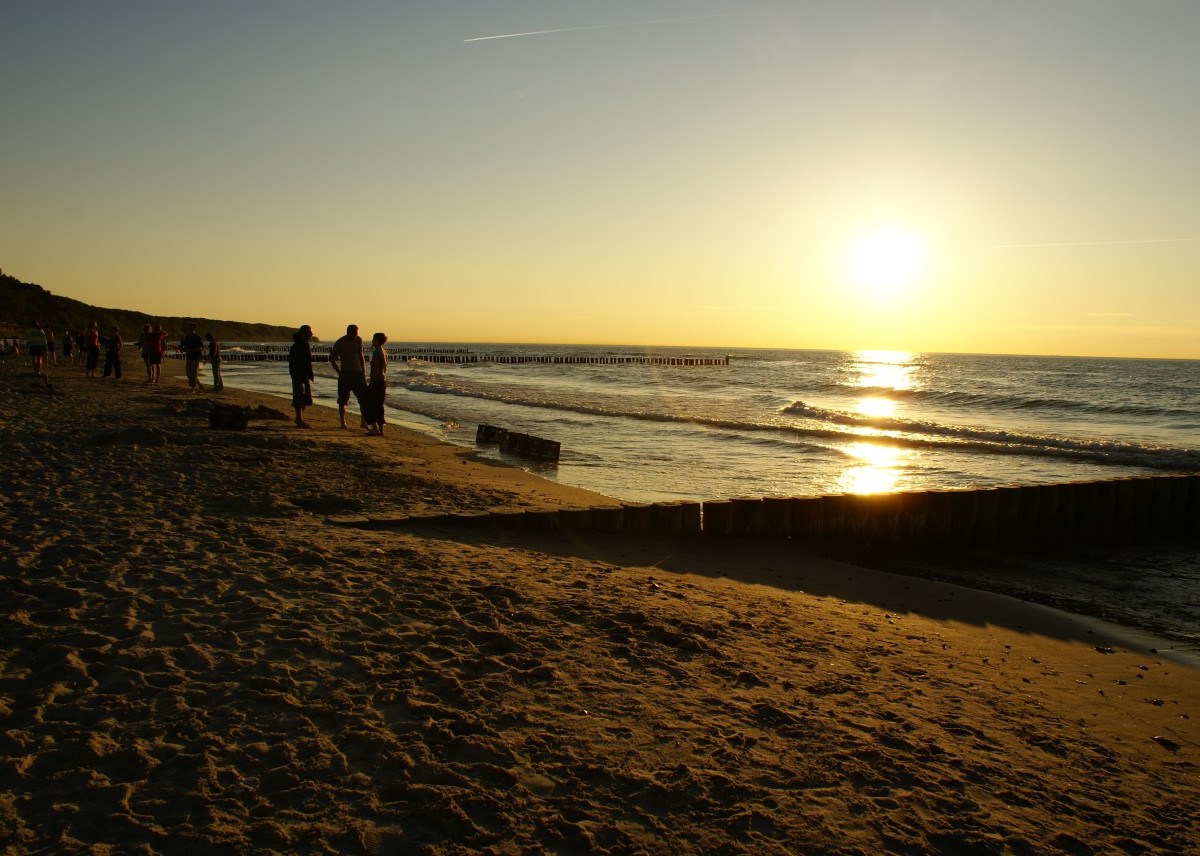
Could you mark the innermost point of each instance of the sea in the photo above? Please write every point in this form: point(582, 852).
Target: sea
point(652, 424)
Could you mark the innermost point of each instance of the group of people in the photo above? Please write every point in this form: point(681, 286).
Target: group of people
point(42, 348)
point(367, 382)
point(347, 361)
point(40, 345)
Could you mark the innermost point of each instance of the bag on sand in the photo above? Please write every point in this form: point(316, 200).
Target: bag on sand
point(227, 417)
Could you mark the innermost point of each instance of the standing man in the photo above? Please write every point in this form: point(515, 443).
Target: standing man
point(301, 370)
point(156, 346)
point(193, 351)
point(112, 358)
point(346, 359)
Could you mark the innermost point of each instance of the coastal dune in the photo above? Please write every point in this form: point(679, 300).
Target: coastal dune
point(194, 659)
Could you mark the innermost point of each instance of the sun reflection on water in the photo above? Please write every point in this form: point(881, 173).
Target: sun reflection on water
point(876, 406)
point(879, 471)
point(884, 369)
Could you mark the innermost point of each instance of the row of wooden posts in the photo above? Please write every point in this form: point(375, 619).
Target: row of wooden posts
point(1017, 516)
point(321, 354)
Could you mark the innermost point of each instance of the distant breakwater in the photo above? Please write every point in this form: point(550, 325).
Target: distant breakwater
point(320, 353)
point(1025, 516)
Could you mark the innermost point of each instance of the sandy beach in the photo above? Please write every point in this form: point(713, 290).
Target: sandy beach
point(195, 659)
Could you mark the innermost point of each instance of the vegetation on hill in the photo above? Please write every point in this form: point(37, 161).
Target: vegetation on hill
point(23, 302)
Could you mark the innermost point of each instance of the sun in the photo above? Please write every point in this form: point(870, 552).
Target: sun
point(886, 261)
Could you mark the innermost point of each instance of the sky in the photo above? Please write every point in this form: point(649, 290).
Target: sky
point(963, 176)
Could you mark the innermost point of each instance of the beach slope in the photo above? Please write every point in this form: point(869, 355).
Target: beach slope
point(193, 659)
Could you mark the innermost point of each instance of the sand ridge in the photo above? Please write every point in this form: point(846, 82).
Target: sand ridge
point(193, 660)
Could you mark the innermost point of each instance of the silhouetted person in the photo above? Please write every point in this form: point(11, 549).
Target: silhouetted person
point(301, 370)
point(35, 346)
point(346, 360)
point(377, 388)
point(214, 360)
point(112, 357)
point(91, 348)
point(193, 352)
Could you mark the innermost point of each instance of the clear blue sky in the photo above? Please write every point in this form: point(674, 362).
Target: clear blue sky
point(994, 176)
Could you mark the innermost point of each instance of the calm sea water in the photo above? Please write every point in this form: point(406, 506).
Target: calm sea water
point(797, 423)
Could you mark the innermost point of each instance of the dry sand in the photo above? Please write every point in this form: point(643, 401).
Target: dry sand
point(194, 660)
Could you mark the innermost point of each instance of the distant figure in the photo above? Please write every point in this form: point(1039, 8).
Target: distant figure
point(377, 388)
point(156, 346)
point(35, 346)
point(214, 360)
point(112, 357)
point(301, 369)
point(346, 359)
point(91, 347)
point(68, 347)
point(193, 352)
point(51, 354)
point(143, 344)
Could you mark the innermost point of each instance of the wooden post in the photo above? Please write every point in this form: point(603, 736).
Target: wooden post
point(718, 517)
point(542, 519)
point(509, 518)
point(777, 515)
point(1008, 515)
point(1105, 509)
point(912, 518)
point(639, 517)
point(690, 517)
point(833, 514)
point(747, 515)
point(608, 518)
point(668, 518)
point(808, 518)
point(987, 508)
point(575, 519)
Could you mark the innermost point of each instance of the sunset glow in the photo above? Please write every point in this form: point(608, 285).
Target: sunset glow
point(923, 176)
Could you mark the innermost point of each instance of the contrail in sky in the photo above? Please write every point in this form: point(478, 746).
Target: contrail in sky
point(1096, 243)
point(601, 27)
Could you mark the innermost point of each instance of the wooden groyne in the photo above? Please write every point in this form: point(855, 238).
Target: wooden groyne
point(321, 354)
point(1015, 517)
point(516, 443)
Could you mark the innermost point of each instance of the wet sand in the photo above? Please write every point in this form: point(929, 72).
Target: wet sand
point(196, 660)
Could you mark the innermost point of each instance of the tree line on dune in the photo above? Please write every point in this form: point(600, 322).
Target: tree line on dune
point(23, 302)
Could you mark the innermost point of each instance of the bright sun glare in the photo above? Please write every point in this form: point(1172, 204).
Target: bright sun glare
point(886, 261)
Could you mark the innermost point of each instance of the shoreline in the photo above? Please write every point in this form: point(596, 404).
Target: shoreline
point(1050, 578)
point(195, 658)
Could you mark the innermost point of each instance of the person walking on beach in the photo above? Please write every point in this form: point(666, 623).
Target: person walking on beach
point(156, 346)
point(35, 346)
point(68, 348)
point(112, 357)
point(214, 360)
point(301, 369)
point(193, 351)
point(51, 354)
point(91, 347)
point(377, 388)
point(346, 359)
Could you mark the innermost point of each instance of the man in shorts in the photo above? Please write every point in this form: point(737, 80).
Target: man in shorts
point(346, 359)
point(35, 346)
